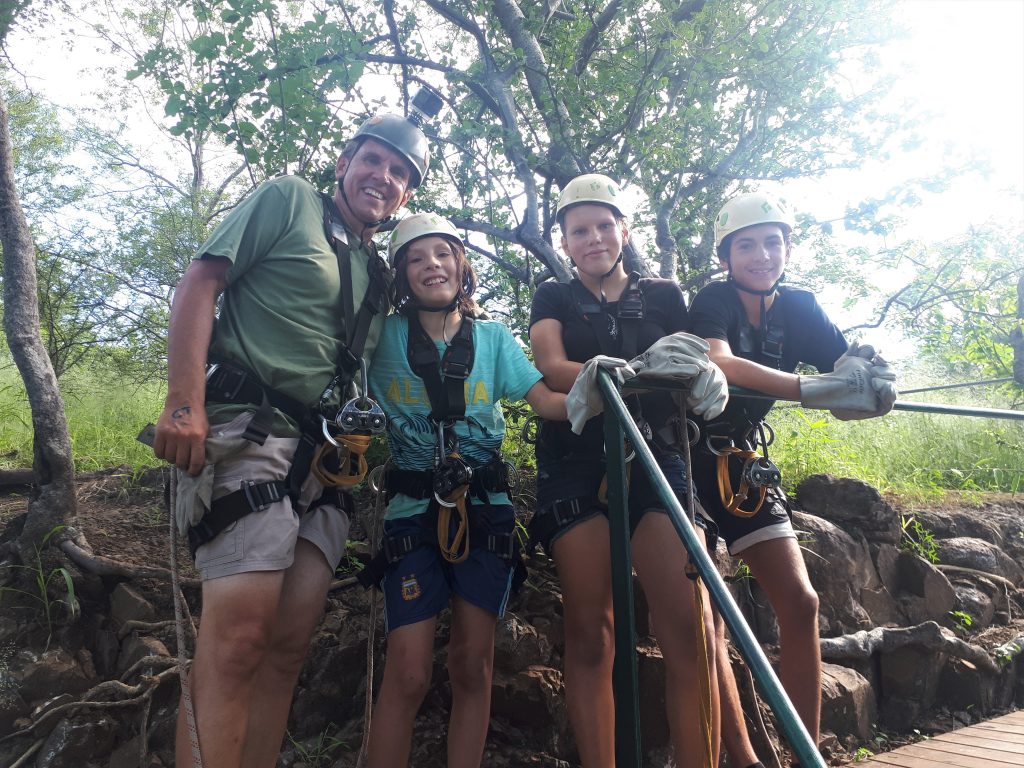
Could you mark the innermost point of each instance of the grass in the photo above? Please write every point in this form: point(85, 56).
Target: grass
point(104, 416)
point(915, 456)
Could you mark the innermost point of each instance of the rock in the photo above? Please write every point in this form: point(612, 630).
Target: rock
point(533, 699)
point(52, 673)
point(847, 702)
point(975, 603)
point(517, 644)
point(965, 687)
point(909, 680)
point(981, 555)
point(840, 568)
point(126, 604)
point(76, 740)
point(851, 504)
point(923, 591)
point(651, 693)
point(135, 648)
point(12, 705)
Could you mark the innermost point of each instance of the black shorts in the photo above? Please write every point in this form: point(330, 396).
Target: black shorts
point(575, 481)
point(771, 521)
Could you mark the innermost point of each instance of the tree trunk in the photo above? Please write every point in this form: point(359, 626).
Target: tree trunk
point(52, 499)
point(1017, 337)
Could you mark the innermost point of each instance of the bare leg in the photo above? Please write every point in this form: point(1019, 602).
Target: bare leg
point(470, 668)
point(734, 728)
point(299, 613)
point(581, 557)
point(410, 660)
point(691, 690)
point(779, 569)
point(239, 614)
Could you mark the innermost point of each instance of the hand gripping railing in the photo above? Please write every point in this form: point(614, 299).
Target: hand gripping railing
point(618, 424)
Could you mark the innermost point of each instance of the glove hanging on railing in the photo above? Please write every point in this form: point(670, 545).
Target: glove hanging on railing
point(862, 386)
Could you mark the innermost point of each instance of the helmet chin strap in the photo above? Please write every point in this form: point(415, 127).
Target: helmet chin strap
point(763, 294)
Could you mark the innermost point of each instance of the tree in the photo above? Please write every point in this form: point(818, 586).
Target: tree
point(681, 101)
point(53, 498)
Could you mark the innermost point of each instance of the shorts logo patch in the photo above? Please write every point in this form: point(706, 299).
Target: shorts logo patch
point(410, 588)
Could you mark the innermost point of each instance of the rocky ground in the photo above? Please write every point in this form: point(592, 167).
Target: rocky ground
point(883, 687)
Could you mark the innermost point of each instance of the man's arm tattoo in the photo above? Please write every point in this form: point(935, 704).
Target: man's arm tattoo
point(180, 413)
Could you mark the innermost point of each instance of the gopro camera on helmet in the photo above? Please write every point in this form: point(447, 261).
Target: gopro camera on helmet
point(426, 104)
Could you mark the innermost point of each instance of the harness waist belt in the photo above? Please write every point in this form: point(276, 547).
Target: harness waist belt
point(227, 383)
point(419, 484)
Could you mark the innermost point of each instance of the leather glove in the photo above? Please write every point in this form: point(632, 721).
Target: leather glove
point(682, 358)
point(584, 400)
point(862, 386)
point(709, 393)
point(677, 357)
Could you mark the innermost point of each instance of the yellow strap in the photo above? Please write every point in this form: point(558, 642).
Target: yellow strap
point(353, 466)
point(731, 500)
point(455, 549)
point(706, 717)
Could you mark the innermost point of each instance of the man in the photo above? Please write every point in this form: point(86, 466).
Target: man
point(758, 332)
point(293, 266)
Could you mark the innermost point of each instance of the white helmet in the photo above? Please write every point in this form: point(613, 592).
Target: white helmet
point(590, 188)
point(416, 226)
point(749, 209)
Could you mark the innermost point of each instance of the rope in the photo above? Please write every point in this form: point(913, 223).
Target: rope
point(179, 629)
point(1005, 380)
point(733, 500)
point(352, 459)
point(454, 549)
point(707, 726)
point(377, 485)
point(706, 716)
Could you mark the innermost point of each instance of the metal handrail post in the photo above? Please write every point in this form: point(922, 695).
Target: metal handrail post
point(624, 675)
point(797, 735)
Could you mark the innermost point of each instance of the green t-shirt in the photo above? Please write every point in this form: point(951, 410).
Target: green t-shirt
point(281, 315)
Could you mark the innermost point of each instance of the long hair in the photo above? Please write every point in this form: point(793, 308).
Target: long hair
point(402, 297)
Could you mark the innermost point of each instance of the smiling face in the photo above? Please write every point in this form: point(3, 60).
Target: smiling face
point(592, 238)
point(374, 184)
point(432, 271)
point(757, 256)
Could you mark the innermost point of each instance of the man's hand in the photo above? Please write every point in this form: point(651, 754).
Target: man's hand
point(180, 438)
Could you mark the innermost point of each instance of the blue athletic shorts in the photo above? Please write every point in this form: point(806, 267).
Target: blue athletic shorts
point(421, 584)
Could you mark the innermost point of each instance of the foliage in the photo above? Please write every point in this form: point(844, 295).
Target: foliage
point(681, 101)
point(862, 754)
point(1007, 652)
point(318, 753)
point(917, 538)
point(963, 621)
point(960, 300)
point(44, 578)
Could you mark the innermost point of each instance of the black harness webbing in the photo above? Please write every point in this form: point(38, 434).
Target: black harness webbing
point(419, 484)
point(443, 377)
point(628, 316)
point(251, 497)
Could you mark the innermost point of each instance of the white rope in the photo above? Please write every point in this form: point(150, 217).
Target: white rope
point(179, 628)
point(376, 478)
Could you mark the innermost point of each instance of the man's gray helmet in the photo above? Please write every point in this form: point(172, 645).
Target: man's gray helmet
point(403, 137)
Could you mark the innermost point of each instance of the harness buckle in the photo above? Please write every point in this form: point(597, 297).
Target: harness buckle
point(457, 369)
point(224, 382)
point(254, 496)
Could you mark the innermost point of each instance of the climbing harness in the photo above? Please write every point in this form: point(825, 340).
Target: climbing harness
point(758, 472)
point(332, 443)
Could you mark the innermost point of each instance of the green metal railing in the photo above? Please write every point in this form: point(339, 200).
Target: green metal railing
point(628, 752)
point(624, 676)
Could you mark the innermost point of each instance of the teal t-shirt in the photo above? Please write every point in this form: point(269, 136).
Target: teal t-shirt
point(500, 370)
point(281, 314)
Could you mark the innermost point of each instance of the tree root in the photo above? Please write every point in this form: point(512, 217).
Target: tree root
point(147, 626)
point(78, 550)
point(975, 572)
point(863, 645)
point(140, 693)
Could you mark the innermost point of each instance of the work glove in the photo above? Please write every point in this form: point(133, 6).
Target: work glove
point(584, 400)
point(682, 358)
point(862, 386)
